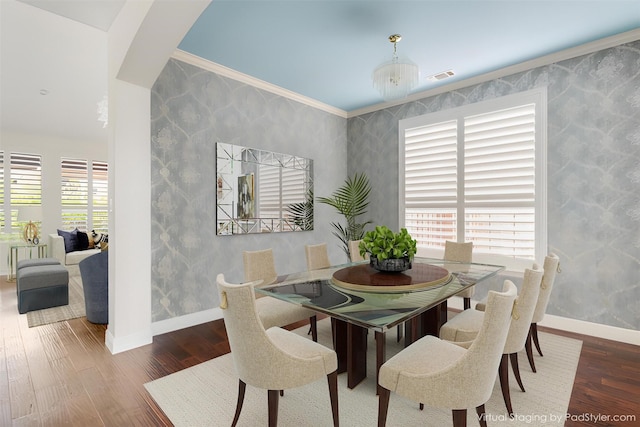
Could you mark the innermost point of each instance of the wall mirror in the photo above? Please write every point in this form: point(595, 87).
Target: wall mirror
point(260, 191)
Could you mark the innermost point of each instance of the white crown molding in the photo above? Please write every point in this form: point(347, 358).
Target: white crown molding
point(252, 81)
point(585, 49)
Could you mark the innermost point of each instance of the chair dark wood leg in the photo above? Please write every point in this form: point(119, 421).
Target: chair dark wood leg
point(421, 406)
point(313, 321)
point(503, 373)
point(467, 303)
point(241, 389)
point(459, 417)
point(516, 369)
point(383, 406)
point(534, 335)
point(482, 416)
point(528, 347)
point(332, 380)
point(272, 399)
point(281, 392)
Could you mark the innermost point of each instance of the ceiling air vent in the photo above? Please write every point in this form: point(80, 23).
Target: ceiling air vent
point(441, 76)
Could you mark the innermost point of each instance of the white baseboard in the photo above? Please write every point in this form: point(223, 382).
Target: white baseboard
point(129, 342)
point(181, 322)
point(628, 336)
point(613, 333)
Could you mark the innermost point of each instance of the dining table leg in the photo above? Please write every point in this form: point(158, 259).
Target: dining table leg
point(350, 345)
point(356, 354)
point(381, 356)
point(339, 334)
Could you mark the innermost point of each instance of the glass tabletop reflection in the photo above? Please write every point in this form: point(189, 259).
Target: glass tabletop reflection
point(379, 310)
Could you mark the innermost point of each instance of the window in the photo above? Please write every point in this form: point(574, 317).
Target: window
point(74, 194)
point(1, 191)
point(25, 189)
point(279, 187)
point(478, 173)
point(80, 179)
point(100, 200)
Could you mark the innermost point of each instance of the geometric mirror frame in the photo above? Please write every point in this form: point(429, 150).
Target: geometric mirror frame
point(260, 191)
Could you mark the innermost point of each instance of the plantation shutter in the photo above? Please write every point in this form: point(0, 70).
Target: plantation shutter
point(499, 181)
point(100, 199)
point(430, 187)
point(74, 193)
point(293, 188)
point(269, 193)
point(26, 184)
point(2, 221)
point(477, 173)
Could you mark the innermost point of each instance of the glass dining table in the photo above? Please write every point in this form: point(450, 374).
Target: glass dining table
point(359, 299)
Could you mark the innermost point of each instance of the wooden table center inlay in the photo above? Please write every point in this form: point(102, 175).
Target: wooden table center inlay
point(363, 277)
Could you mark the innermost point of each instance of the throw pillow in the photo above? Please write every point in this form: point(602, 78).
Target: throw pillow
point(99, 237)
point(70, 240)
point(83, 240)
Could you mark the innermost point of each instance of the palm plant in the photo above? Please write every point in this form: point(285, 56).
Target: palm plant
point(302, 213)
point(351, 200)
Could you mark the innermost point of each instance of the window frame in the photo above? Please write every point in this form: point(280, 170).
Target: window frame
point(536, 96)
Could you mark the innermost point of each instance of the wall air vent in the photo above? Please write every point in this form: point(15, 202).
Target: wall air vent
point(441, 76)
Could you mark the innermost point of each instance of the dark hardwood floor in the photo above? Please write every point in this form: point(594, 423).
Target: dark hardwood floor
point(62, 374)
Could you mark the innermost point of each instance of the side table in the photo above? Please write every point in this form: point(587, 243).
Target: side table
point(14, 252)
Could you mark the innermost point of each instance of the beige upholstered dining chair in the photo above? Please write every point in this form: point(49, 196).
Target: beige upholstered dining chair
point(317, 256)
point(461, 252)
point(465, 327)
point(354, 251)
point(446, 375)
point(551, 268)
point(286, 360)
point(260, 265)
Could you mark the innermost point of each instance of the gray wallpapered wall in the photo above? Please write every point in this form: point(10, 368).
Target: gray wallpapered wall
point(191, 110)
point(593, 175)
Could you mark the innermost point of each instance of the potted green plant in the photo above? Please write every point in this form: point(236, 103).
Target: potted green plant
point(388, 251)
point(351, 200)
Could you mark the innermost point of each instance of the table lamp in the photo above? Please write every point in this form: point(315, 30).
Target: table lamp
point(31, 215)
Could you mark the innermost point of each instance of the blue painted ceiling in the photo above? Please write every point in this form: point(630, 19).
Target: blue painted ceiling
point(327, 49)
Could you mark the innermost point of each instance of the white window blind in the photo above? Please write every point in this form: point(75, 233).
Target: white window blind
point(476, 173)
point(74, 193)
point(26, 184)
point(100, 200)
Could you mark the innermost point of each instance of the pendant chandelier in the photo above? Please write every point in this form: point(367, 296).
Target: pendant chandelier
point(396, 78)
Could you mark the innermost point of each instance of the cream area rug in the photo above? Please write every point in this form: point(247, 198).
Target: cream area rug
point(205, 394)
point(74, 309)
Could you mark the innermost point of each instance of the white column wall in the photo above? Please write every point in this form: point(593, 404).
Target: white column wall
point(129, 219)
point(140, 42)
